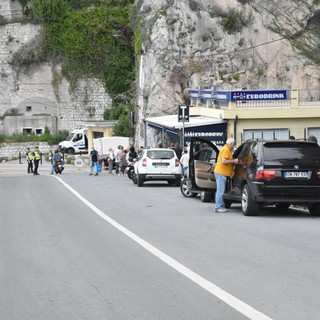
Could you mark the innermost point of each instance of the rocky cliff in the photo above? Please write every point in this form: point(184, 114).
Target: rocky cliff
point(252, 44)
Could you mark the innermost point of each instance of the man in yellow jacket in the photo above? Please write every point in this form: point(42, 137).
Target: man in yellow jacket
point(222, 171)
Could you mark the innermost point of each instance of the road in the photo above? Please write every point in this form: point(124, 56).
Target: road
point(75, 246)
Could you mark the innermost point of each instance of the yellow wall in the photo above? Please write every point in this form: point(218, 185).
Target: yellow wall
point(292, 116)
point(107, 132)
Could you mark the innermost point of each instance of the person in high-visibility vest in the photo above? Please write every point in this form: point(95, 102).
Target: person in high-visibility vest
point(29, 157)
point(36, 160)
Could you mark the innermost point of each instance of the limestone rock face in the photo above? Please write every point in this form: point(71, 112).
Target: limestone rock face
point(244, 44)
point(37, 95)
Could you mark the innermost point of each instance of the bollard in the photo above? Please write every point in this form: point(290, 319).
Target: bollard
point(20, 162)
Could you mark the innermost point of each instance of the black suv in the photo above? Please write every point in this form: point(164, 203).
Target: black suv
point(275, 172)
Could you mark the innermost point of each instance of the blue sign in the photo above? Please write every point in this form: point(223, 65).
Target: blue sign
point(241, 95)
point(221, 95)
point(216, 133)
point(258, 95)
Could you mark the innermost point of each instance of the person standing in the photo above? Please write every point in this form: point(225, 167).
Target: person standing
point(36, 160)
point(119, 159)
point(29, 157)
point(110, 158)
point(222, 171)
point(93, 162)
point(116, 158)
point(184, 160)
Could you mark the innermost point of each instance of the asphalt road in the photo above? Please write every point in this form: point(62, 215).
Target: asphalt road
point(76, 246)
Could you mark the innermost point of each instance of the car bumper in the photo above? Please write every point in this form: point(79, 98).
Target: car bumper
point(288, 194)
point(160, 176)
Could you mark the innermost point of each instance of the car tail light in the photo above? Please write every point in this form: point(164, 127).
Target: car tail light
point(144, 162)
point(177, 162)
point(318, 174)
point(265, 174)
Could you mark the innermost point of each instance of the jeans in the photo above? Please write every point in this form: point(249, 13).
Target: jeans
point(93, 167)
point(221, 187)
point(117, 167)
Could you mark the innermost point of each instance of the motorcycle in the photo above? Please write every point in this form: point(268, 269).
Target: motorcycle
point(58, 168)
point(130, 169)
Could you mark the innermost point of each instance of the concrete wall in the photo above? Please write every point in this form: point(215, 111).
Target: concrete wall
point(33, 91)
point(10, 151)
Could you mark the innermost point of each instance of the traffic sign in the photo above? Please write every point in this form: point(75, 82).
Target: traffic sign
point(183, 114)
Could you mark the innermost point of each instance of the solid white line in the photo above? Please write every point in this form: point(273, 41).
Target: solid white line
point(229, 299)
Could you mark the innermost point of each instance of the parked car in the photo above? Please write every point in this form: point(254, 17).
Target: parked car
point(157, 164)
point(199, 178)
point(275, 172)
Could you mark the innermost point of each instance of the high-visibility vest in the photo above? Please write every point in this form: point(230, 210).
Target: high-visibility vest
point(37, 155)
point(30, 155)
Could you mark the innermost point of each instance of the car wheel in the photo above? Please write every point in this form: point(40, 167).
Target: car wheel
point(227, 203)
point(134, 178)
point(314, 209)
point(139, 180)
point(205, 196)
point(70, 151)
point(184, 188)
point(130, 173)
point(248, 206)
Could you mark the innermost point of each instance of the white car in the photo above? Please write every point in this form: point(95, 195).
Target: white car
point(158, 164)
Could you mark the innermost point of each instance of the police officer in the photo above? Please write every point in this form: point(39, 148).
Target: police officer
point(37, 157)
point(29, 157)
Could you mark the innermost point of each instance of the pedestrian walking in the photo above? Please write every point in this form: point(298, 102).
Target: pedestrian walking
point(93, 162)
point(222, 171)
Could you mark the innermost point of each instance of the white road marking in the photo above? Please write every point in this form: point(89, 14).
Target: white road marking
point(229, 299)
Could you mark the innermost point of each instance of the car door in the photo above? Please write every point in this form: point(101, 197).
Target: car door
point(247, 154)
point(203, 156)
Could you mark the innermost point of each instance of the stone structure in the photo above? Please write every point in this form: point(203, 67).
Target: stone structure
point(9, 151)
point(233, 44)
point(33, 97)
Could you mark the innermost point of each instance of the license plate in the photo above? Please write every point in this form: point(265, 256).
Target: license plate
point(160, 165)
point(296, 174)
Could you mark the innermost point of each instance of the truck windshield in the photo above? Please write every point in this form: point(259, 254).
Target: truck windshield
point(70, 136)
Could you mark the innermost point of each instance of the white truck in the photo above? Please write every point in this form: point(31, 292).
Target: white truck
point(76, 142)
point(103, 145)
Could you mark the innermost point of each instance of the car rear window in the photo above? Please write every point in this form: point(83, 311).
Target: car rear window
point(160, 154)
point(291, 151)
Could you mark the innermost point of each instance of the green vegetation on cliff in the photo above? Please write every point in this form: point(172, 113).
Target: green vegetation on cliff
point(89, 38)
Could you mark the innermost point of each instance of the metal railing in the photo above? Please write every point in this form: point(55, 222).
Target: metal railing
point(309, 97)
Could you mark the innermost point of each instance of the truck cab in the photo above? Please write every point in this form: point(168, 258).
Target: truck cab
point(76, 142)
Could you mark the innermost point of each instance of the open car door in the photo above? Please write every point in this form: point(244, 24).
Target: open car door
point(203, 157)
